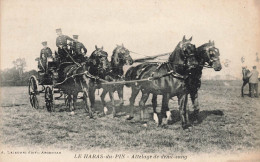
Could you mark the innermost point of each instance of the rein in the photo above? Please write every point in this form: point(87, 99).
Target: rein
point(72, 59)
point(147, 55)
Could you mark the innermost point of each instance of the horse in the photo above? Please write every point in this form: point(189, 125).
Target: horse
point(245, 78)
point(75, 78)
point(207, 56)
point(120, 57)
point(168, 79)
point(71, 83)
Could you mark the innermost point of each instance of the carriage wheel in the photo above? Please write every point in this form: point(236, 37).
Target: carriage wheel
point(33, 91)
point(49, 99)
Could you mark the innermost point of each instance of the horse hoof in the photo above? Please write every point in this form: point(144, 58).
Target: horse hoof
point(72, 113)
point(155, 118)
point(164, 121)
point(91, 116)
point(114, 114)
point(169, 115)
point(196, 122)
point(129, 118)
point(105, 110)
point(186, 126)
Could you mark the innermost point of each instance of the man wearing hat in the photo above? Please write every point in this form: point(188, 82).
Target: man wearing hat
point(61, 43)
point(77, 48)
point(45, 53)
point(253, 82)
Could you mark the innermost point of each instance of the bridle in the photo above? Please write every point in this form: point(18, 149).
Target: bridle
point(172, 66)
point(123, 55)
point(210, 51)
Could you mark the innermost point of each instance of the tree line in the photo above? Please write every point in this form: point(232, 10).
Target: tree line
point(16, 76)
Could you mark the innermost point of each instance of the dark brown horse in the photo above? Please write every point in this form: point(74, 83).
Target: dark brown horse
point(207, 56)
point(168, 79)
point(113, 73)
point(120, 57)
point(245, 73)
point(99, 67)
point(74, 80)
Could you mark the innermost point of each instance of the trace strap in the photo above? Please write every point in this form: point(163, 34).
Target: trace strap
point(176, 75)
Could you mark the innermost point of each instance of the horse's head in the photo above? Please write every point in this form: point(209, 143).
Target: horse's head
point(98, 58)
point(121, 56)
point(209, 54)
point(184, 55)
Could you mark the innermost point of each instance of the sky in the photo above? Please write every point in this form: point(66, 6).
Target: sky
point(145, 27)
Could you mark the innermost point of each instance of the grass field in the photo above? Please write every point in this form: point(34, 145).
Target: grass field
point(229, 123)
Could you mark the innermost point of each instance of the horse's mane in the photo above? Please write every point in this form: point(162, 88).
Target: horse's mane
point(200, 48)
point(115, 55)
point(177, 48)
point(92, 54)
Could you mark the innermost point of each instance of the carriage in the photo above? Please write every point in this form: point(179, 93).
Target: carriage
point(184, 67)
point(44, 83)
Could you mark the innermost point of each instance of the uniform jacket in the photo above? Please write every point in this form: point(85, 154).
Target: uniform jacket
point(77, 47)
point(62, 40)
point(45, 52)
point(253, 76)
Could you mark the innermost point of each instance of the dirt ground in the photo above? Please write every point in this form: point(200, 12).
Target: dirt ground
point(229, 123)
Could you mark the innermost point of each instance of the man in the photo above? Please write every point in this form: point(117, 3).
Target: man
point(62, 44)
point(44, 55)
point(253, 82)
point(77, 48)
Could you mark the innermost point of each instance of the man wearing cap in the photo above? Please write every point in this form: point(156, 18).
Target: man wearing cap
point(77, 48)
point(253, 82)
point(45, 53)
point(61, 43)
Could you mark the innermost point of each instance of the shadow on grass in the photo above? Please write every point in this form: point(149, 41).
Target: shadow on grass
point(202, 116)
point(247, 94)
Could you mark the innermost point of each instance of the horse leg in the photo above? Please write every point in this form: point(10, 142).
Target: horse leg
point(69, 101)
point(91, 94)
point(102, 96)
point(121, 95)
point(183, 100)
point(155, 115)
point(142, 102)
point(74, 100)
point(85, 94)
point(134, 93)
point(111, 95)
point(165, 112)
point(195, 103)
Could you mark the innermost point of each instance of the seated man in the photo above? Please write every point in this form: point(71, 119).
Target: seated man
point(62, 44)
point(44, 55)
point(77, 48)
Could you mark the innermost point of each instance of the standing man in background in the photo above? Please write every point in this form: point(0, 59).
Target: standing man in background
point(253, 82)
